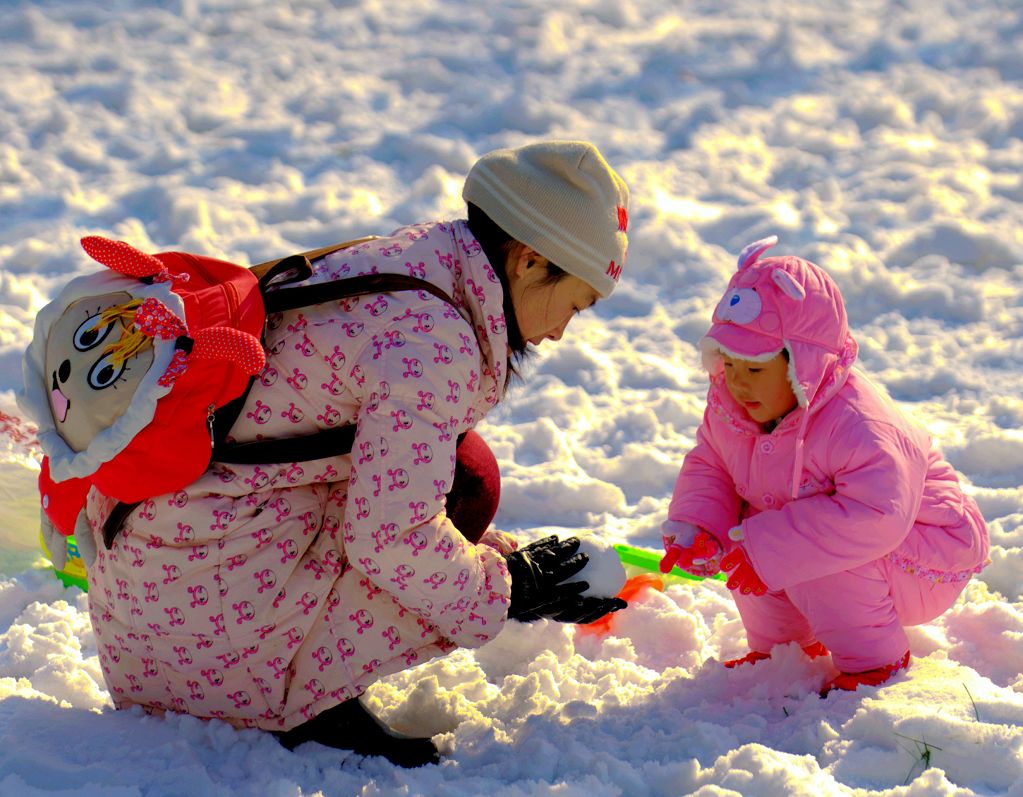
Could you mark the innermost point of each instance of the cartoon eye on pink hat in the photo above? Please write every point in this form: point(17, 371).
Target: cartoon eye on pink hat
point(749, 319)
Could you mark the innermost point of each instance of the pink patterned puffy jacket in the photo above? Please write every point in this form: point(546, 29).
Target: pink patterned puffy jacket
point(263, 595)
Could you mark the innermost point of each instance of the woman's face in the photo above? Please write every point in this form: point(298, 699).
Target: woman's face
point(543, 308)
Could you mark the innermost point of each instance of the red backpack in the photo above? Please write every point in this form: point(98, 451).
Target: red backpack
point(135, 374)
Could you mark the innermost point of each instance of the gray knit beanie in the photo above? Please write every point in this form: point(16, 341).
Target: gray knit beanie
point(561, 199)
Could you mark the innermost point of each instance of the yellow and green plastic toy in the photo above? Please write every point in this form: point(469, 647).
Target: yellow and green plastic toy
point(73, 573)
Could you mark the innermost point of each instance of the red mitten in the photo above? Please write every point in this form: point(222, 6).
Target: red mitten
point(701, 557)
point(744, 578)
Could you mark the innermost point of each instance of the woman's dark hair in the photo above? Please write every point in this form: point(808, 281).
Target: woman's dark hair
point(496, 243)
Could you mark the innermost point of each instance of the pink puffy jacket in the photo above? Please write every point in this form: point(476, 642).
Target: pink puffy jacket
point(263, 595)
point(845, 478)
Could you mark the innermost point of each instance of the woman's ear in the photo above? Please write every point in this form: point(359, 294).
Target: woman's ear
point(522, 258)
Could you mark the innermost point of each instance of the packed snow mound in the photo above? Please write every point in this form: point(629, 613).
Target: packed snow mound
point(604, 571)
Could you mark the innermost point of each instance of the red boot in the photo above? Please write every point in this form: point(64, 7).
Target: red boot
point(813, 651)
point(848, 681)
point(750, 658)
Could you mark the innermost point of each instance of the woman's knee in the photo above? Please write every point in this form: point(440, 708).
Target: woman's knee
point(476, 487)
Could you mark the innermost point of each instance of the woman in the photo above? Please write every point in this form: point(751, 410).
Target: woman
point(273, 596)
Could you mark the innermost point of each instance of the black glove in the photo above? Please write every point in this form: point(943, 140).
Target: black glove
point(537, 572)
point(581, 609)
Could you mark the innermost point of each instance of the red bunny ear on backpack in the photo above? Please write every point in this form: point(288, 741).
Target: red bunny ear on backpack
point(232, 345)
point(121, 257)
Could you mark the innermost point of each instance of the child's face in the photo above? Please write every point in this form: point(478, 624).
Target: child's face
point(761, 387)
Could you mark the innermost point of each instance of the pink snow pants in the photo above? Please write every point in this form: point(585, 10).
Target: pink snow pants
point(858, 614)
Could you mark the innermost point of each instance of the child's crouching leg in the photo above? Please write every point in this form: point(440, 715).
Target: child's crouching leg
point(771, 620)
point(853, 613)
point(921, 598)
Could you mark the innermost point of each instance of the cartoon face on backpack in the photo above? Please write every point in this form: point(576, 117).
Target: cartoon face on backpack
point(95, 359)
point(127, 366)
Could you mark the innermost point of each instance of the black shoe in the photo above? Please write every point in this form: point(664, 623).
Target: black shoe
point(349, 726)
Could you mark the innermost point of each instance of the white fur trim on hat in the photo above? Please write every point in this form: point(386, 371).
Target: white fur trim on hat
point(563, 200)
point(711, 351)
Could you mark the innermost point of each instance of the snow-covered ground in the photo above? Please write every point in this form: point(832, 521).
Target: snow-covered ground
point(881, 138)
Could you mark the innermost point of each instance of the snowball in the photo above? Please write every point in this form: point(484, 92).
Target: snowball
point(603, 572)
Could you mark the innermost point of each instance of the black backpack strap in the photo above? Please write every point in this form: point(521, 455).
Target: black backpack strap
point(115, 520)
point(312, 254)
point(327, 442)
point(296, 268)
point(324, 443)
point(276, 301)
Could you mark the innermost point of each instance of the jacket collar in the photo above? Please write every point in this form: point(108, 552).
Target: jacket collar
point(448, 255)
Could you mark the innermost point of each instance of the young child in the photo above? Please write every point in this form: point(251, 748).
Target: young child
point(838, 521)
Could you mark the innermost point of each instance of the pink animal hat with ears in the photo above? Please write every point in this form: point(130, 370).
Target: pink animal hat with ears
point(780, 303)
point(784, 303)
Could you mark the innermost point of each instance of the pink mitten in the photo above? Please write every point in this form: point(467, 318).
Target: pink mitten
point(691, 548)
point(744, 578)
